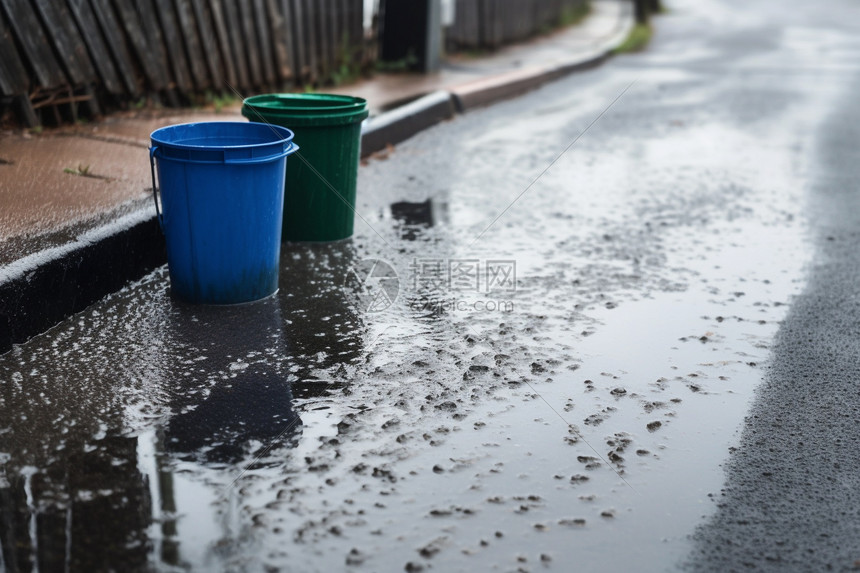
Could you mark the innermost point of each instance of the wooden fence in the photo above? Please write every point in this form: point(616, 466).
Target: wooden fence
point(489, 24)
point(61, 55)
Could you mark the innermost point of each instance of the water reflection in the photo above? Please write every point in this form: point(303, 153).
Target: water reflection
point(87, 511)
point(123, 432)
point(414, 218)
point(81, 488)
point(427, 283)
point(322, 314)
point(228, 398)
point(231, 407)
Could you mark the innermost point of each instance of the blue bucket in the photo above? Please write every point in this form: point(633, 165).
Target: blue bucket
point(222, 200)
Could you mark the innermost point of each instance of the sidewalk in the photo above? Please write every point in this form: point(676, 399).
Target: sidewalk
point(78, 220)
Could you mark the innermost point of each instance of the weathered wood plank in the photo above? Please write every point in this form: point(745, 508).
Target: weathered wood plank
point(358, 36)
point(26, 111)
point(238, 44)
point(343, 21)
point(223, 38)
point(498, 24)
point(246, 15)
point(37, 51)
point(356, 30)
point(300, 50)
point(347, 28)
point(477, 30)
point(264, 44)
point(13, 75)
point(281, 39)
point(333, 15)
point(83, 14)
point(172, 37)
point(133, 26)
point(489, 24)
point(309, 10)
point(324, 43)
point(483, 23)
point(92, 103)
point(474, 30)
point(146, 10)
point(116, 45)
point(210, 47)
point(343, 16)
point(63, 34)
point(196, 61)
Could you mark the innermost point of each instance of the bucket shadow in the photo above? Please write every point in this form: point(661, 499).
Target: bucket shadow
point(231, 398)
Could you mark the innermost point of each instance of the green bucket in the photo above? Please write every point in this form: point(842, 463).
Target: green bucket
point(319, 191)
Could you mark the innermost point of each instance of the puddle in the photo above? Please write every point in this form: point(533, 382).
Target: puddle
point(583, 425)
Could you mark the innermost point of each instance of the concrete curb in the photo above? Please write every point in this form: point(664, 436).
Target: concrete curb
point(402, 123)
point(566, 68)
point(486, 91)
point(39, 292)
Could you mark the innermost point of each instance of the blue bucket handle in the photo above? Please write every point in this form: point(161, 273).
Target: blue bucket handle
point(158, 214)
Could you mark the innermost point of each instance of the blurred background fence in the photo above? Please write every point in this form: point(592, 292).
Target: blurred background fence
point(62, 59)
point(63, 56)
point(489, 24)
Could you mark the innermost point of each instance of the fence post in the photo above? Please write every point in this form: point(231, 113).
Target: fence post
point(643, 9)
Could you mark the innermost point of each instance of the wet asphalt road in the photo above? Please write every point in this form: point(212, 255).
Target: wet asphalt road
point(792, 497)
point(524, 360)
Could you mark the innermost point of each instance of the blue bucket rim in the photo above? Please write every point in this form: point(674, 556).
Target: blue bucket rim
point(244, 124)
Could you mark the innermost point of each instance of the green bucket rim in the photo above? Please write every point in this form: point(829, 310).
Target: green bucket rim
point(314, 109)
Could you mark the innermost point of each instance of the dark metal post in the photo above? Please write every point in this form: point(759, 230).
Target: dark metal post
point(411, 33)
point(642, 9)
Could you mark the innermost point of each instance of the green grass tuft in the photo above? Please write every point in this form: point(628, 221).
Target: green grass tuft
point(82, 170)
point(636, 40)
